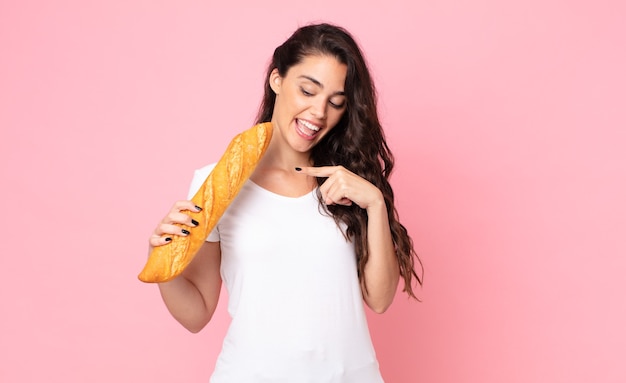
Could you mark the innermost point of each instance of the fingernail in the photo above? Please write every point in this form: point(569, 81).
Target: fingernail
point(194, 222)
point(186, 232)
point(198, 208)
point(168, 239)
point(298, 169)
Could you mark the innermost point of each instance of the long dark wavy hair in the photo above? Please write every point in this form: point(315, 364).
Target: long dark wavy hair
point(357, 142)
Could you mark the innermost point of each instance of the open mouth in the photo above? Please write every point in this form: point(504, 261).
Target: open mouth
point(306, 128)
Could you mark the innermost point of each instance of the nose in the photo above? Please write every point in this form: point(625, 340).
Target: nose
point(318, 109)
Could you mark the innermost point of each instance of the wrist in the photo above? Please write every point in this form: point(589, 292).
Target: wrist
point(376, 206)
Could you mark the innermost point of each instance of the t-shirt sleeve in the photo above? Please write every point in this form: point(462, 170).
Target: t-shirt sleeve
point(198, 179)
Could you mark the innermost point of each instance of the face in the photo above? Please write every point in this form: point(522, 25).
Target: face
point(310, 100)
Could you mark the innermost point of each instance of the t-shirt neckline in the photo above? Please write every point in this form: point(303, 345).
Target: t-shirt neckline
point(269, 192)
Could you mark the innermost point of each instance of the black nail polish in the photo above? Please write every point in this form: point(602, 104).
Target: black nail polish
point(194, 222)
point(198, 208)
point(186, 232)
point(298, 169)
point(168, 239)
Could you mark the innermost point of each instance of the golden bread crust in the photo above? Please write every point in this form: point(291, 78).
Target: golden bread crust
point(217, 192)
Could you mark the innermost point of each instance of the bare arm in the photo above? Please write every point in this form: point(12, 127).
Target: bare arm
point(382, 272)
point(191, 297)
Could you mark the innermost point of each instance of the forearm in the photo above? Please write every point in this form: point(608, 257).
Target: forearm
point(381, 272)
point(192, 297)
point(185, 302)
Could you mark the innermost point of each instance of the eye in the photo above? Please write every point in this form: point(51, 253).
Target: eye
point(305, 92)
point(337, 105)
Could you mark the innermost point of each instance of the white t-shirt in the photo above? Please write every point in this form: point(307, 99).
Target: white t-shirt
point(294, 296)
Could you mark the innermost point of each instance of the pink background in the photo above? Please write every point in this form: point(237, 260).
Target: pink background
point(507, 119)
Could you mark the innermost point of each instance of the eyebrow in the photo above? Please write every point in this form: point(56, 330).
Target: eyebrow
point(316, 82)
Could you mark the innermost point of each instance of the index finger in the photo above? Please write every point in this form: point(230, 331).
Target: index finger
point(186, 205)
point(317, 171)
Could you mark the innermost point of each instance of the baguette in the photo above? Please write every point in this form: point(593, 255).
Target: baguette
point(214, 196)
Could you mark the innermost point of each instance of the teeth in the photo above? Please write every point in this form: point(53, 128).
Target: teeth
point(309, 125)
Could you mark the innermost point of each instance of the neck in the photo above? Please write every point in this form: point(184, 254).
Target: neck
point(281, 156)
point(276, 170)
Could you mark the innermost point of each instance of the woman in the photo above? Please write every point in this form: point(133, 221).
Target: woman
point(311, 235)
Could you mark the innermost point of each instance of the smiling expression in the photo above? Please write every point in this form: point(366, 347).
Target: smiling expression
point(310, 100)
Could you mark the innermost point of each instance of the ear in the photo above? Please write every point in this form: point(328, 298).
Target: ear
point(276, 81)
